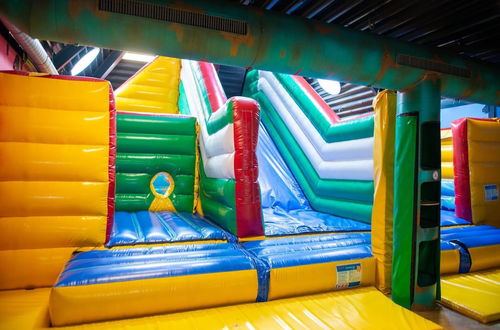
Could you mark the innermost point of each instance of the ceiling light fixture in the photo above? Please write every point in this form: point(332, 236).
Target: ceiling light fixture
point(138, 57)
point(85, 61)
point(330, 86)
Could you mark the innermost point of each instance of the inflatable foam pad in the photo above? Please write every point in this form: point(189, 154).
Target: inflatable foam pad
point(113, 284)
point(362, 308)
point(310, 264)
point(476, 295)
point(145, 227)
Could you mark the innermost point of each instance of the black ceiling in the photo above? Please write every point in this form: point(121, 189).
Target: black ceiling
point(467, 27)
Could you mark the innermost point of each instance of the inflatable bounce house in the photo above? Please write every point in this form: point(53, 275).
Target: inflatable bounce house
point(165, 204)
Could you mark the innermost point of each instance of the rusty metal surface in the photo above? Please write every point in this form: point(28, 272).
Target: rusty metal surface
point(465, 27)
point(273, 42)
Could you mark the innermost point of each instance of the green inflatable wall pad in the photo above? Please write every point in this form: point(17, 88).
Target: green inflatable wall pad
point(218, 200)
point(147, 145)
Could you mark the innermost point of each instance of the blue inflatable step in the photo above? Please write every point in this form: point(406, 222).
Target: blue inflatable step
point(472, 236)
point(144, 227)
point(307, 264)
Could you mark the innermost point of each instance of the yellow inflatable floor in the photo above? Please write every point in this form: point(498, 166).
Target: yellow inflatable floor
point(476, 295)
point(363, 308)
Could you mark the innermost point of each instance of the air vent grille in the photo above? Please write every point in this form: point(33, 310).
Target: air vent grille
point(425, 64)
point(173, 15)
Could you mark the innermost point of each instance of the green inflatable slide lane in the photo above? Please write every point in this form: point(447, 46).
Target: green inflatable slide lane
point(346, 198)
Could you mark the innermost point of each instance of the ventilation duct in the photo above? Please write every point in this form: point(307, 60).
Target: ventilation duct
point(32, 47)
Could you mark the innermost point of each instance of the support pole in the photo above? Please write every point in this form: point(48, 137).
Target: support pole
point(417, 188)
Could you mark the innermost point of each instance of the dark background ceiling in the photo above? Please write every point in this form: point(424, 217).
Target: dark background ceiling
point(470, 28)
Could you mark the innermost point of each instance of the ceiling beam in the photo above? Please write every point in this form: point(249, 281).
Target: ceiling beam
point(65, 55)
point(241, 36)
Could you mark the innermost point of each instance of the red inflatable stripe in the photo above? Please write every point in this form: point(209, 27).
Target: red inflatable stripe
point(461, 168)
point(324, 107)
point(246, 128)
point(111, 163)
point(216, 95)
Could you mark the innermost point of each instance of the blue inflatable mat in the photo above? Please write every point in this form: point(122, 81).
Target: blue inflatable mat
point(472, 236)
point(278, 222)
point(447, 187)
point(304, 250)
point(447, 195)
point(104, 266)
point(144, 227)
point(448, 218)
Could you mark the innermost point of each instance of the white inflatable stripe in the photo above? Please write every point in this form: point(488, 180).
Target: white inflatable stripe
point(359, 169)
point(357, 149)
point(217, 150)
point(221, 142)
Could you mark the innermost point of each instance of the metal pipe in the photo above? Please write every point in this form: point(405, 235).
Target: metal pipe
point(274, 42)
point(32, 47)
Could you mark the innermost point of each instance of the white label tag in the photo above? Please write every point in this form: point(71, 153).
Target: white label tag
point(348, 276)
point(490, 192)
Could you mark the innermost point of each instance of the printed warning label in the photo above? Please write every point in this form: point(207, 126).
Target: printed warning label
point(348, 276)
point(491, 192)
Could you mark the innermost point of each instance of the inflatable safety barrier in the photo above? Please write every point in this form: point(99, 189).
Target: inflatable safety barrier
point(57, 145)
point(229, 192)
point(332, 160)
point(476, 158)
point(154, 88)
point(123, 283)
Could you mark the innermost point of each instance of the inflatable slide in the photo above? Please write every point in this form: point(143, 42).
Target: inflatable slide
point(171, 197)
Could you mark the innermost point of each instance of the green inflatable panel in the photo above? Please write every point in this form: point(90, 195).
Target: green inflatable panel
point(149, 148)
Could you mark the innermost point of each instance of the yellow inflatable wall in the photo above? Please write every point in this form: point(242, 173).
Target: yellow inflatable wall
point(384, 105)
point(155, 88)
point(484, 167)
point(55, 173)
point(446, 154)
